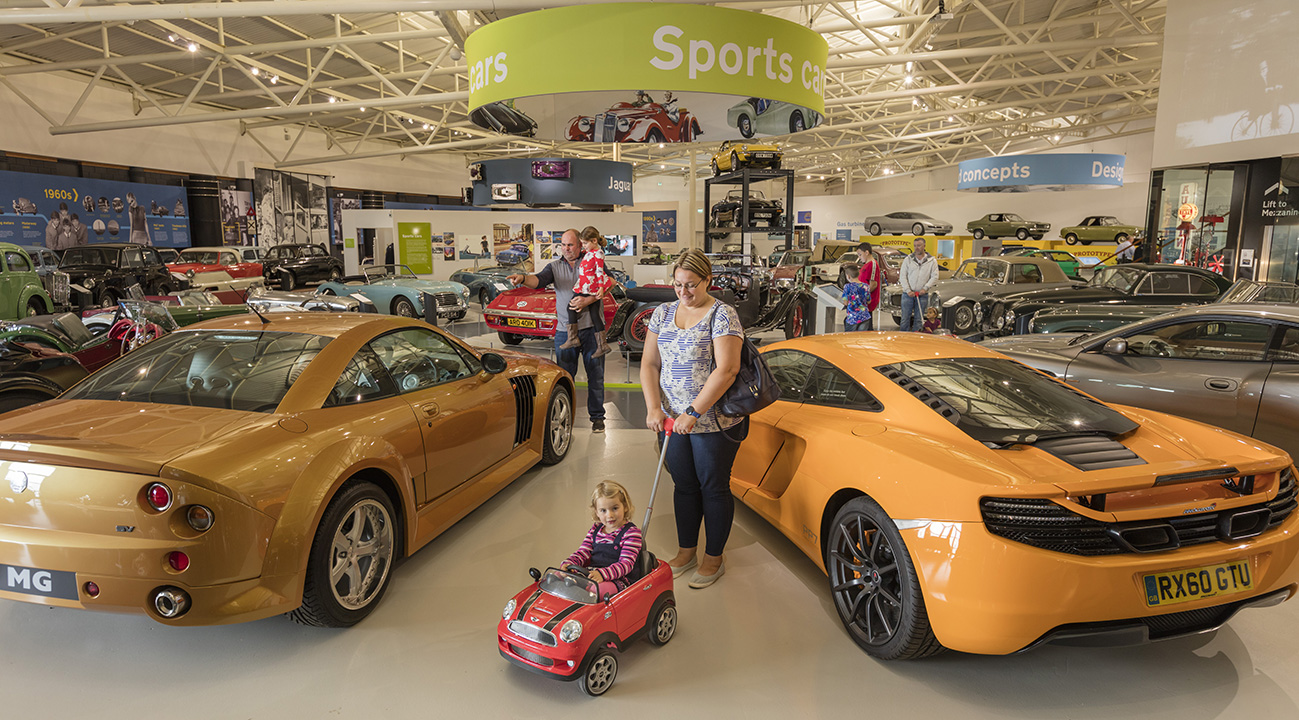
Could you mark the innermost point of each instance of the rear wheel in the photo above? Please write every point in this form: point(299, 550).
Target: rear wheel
point(107, 298)
point(402, 307)
point(35, 306)
point(978, 233)
point(510, 338)
point(918, 229)
point(875, 228)
point(654, 136)
point(1071, 239)
point(559, 426)
point(287, 281)
point(335, 274)
point(637, 327)
point(1022, 234)
point(484, 297)
point(662, 624)
point(794, 323)
point(874, 585)
point(600, 674)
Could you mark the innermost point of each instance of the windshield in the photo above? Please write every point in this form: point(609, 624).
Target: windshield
point(799, 257)
point(203, 257)
point(568, 586)
point(989, 270)
point(999, 400)
point(1249, 291)
point(89, 256)
point(238, 370)
point(145, 311)
point(379, 272)
point(1116, 278)
point(196, 297)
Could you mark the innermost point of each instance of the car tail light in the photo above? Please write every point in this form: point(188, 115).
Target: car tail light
point(178, 561)
point(159, 496)
point(200, 518)
point(91, 589)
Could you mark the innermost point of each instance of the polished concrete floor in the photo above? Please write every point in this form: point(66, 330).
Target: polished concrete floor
point(763, 642)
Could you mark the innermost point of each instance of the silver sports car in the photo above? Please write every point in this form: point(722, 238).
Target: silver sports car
point(898, 223)
point(1231, 365)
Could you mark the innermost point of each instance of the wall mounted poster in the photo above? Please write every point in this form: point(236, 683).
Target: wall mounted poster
point(59, 212)
point(291, 207)
point(659, 227)
point(416, 246)
point(236, 216)
point(340, 200)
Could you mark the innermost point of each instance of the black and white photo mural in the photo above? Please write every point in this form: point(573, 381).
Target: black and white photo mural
point(291, 207)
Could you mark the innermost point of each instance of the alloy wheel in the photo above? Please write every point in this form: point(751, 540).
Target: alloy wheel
point(560, 423)
point(361, 554)
point(864, 580)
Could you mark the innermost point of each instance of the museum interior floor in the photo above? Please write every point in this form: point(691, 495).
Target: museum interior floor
point(764, 642)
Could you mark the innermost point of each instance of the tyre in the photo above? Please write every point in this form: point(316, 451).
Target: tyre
point(510, 338)
point(874, 586)
point(654, 136)
point(484, 297)
point(917, 229)
point(662, 624)
point(963, 318)
point(875, 228)
point(1071, 239)
point(401, 307)
point(978, 233)
point(636, 328)
point(335, 274)
point(350, 564)
point(745, 126)
point(897, 320)
point(1037, 237)
point(600, 674)
point(794, 323)
point(735, 161)
point(106, 298)
point(287, 281)
point(162, 289)
point(796, 123)
point(35, 306)
point(716, 170)
point(559, 426)
point(1021, 234)
point(1121, 238)
point(21, 399)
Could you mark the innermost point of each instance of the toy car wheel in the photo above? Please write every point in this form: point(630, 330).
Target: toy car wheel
point(663, 625)
point(335, 274)
point(637, 327)
point(796, 123)
point(510, 338)
point(600, 674)
point(35, 306)
point(918, 229)
point(745, 126)
point(978, 233)
point(875, 228)
point(401, 307)
point(794, 323)
point(559, 426)
point(1021, 234)
point(287, 281)
point(1071, 239)
point(351, 558)
point(874, 585)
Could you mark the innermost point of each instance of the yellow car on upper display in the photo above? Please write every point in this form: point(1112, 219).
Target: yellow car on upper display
point(733, 156)
point(242, 467)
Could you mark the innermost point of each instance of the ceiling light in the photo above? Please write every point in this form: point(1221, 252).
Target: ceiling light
point(275, 79)
point(809, 177)
point(660, 145)
point(951, 118)
point(256, 71)
point(907, 80)
point(915, 101)
point(663, 167)
point(171, 37)
point(362, 108)
point(838, 169)
point(333, 99)
point(426, 126)
point(192, 47)
point(908, 66)
point(1055, 138)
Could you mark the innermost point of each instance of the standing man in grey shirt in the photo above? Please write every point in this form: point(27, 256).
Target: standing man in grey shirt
point(562, 273)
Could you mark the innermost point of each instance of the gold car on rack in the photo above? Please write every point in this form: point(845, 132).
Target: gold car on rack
point(243, 468)
point(733, 156)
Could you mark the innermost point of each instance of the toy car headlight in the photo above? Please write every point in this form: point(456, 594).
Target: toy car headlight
point(509, 608)
point(624, 124)
point(584, 124)
point(571, 631)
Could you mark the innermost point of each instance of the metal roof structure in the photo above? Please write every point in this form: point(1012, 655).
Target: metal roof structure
point(912, 85)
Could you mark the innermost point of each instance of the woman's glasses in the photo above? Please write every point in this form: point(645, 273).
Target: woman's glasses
point(685, 286)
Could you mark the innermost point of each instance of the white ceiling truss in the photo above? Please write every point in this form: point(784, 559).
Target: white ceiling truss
point(913, 84)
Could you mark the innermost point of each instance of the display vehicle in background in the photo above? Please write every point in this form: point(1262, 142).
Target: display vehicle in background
point(999, 225)
point(267, 466)
point(294, 264)
point(503, 118)
point(56, 282)
point(890, 258)
point(515, 254)
point(1100, 228)
point(771, 117)
point(279, 301)
point(108, 270)
point(729, 212)
point(397, 290)
point(654, 255)
point(1068, 262)
point(732, 156)
point(22, 291)
point(485, 283)
point(529, 313)
point(219, 259)
point(1044, 514)
point(898, 223)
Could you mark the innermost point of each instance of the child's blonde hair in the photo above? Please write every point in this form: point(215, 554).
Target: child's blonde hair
point(611, 489)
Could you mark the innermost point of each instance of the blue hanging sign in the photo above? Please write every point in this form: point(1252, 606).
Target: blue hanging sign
point(60, 212)
point(1057, 171)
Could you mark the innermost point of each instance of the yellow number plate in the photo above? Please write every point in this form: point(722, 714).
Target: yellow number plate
point(521, 322)
point(1179, 586)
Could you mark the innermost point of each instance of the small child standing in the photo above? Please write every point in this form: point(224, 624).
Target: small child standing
point(933, 321)
point(856, 307)
point(592, 281)
point(609, 550)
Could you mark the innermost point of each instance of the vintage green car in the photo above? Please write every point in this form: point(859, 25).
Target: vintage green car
point(190, 306)
point(999, 225)
point(1067, 261)
point(21, 292)
point(1100, 228)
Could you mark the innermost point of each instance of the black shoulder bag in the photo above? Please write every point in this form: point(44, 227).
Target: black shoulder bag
point(754, 388)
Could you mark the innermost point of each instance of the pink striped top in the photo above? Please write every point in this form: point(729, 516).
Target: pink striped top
point(631, 545)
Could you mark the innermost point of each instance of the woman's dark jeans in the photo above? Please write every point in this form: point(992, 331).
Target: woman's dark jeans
point(700, 464)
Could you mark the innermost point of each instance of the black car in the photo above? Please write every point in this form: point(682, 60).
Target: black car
point(729, 212)
point(293, 264)
point(106, 271)
point(1133, 283)
point(504, 119)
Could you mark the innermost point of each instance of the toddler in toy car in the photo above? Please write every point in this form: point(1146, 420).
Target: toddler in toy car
point(592, 281)
point(933, 321)
point(609, 550)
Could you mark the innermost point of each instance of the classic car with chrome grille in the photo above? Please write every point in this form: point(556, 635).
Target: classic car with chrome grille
point(1005, 509)
point(529, 314)
point(244, 468)
point(397, 290)
point(730, 212)
point(733, 156)
point(642, 120)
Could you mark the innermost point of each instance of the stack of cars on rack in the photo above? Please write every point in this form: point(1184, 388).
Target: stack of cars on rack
point(397, 290)
point(654, 255)
point(728, 214)
point(732, 156)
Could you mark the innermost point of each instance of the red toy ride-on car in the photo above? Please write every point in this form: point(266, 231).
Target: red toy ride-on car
point(560, 627)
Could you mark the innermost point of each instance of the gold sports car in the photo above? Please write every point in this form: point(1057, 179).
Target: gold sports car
point(733, 156)
point(243, 468)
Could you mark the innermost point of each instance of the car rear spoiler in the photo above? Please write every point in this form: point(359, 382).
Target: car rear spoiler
point(74, 452)
point(1176, 472)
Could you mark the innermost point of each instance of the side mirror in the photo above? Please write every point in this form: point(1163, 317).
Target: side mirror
point(1116, 346)
point(608, 597)
point(535, 573)
point(493, 363)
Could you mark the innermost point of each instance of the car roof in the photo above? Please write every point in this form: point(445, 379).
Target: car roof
point(329, 325)
point(1147, 267)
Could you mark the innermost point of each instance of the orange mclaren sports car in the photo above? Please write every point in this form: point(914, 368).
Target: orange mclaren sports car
point(243, 468)
point(958, 499)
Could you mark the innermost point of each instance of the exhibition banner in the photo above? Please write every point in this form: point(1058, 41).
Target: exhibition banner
point(238, 220)
point(340, 200)
point(581, 182)
point(1057, 171)
point(659, 227)
point(415, 241)
point(60, 212)
point(646, 72)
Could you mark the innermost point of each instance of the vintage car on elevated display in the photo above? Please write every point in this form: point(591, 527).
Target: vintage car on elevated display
point(1100, 228)
point(485, 283)
point(22, 292)
point(397, 290)
point(976, 295)
point(729, 212)
point(1044, 515)
point(999, 225)
point(642, 120)
point(898, 223)
point(293, 264)
point(253, 468)
point(733, 156)
point(772, 117)
point(108, 270)
point(529, 314)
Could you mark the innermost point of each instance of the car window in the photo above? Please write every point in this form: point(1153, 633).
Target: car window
point(1203, 340)
point(790, 368)
point(16, 262)
point(250, 254)
point(228, 258)
point(830, 386)
point(150, 257)
point(419, 359)
point(981, 269)
point(364, 379)
point(314, 251)
point(131, 258)
point(1203, 286)
point(1287, 350)
point(1164, 283)
point(1025, 273)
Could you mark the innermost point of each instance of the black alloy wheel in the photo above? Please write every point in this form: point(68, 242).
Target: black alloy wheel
point(874, 586)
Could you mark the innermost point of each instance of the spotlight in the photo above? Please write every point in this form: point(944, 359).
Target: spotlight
point(171, 37)
point(426, 126)
point(256, 71)
point(660, 146)
point(909, 64)
point(362, 108)
point(275, 79)
point(951, 118)
point(663, 167)
point(907, 80)
point(809, 177)
point(1056, 138)
point(192, 47)
point(333, 99)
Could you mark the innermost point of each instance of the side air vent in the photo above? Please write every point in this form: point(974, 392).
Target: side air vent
point(525, 403)
point(933, 401)
point(1090, 452)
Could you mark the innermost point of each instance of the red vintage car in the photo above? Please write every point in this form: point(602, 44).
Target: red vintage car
point(523, 313)
point(641, 121)
point(215, 259)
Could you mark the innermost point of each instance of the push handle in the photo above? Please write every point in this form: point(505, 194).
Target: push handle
point(663, 454)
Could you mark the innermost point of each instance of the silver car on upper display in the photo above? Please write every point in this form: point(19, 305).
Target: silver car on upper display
point(1231, 365)
point(898, 223)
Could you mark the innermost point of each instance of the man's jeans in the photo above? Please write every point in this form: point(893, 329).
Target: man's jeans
point(567, 359)
point(913, 312)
